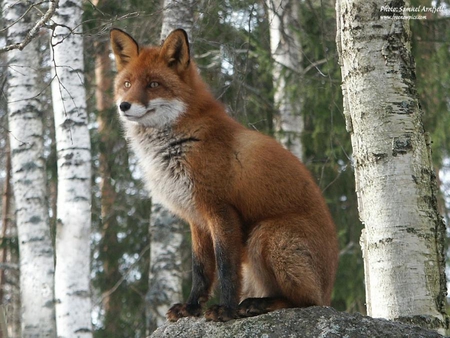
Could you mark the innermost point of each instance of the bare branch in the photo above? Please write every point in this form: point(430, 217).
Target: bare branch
point(53, 4)
point(124, 277)
point(20, 17)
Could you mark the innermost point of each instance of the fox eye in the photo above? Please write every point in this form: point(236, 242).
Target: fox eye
point(153, 84)
point(127, 84)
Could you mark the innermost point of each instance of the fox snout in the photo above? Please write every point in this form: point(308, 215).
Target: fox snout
point(132, 111)
point(157, 113)
point(124, 106)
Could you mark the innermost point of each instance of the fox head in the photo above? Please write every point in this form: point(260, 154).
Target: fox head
point(154, 85)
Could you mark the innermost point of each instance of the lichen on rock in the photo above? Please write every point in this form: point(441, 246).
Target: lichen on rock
point(324, 322)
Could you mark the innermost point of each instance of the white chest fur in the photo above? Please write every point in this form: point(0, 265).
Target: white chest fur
point(161, 156)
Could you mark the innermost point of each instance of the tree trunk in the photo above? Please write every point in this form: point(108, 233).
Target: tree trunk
point(6, 202)
point(166, 230)
point(395, 181)
point(29, 181)
point(33, 28)
point(286, 52)
point(109, 243)
point(72, 274)
point(177, 14)
point(165, 286)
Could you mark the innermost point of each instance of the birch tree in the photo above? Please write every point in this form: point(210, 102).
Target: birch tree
point(286, 52)
point(166, 230)
point(29, 179)
point(72, 274)
point(32, 31)
point(395, 181)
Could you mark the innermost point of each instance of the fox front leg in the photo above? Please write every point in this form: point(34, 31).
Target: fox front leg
point(228, 250)
point(203, 270)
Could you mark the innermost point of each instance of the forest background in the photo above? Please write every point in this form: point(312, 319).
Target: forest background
point(231, 45)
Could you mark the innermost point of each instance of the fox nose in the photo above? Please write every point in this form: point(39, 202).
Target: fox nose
point(124, 106)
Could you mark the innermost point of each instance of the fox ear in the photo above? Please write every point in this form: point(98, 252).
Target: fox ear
point(125, 48)
point(175, 50)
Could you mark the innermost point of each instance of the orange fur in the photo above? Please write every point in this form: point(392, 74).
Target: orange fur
point(259, 223)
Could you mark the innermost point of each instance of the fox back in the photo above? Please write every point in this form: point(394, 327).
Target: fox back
point(258, 221)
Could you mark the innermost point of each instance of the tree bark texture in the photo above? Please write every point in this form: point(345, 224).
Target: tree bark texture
point(29, 181)
point(167, 230)
point(287, 56)
point(72, 275)
point(166, 275)
point(6, 291)
point(177, 14)
point(6, 202)
point(32, 31)
point(395, 181)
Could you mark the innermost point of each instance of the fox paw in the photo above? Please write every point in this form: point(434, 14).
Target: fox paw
point(253, 307)
point(220, 313)
point(178, 311)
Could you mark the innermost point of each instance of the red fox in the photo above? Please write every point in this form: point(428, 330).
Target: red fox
point(259, 224)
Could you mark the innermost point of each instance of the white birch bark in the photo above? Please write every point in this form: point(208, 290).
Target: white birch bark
point(166, 230)
point(32, 30)
point(165, 284)
point(72, 288)
point(395, 181)
point(286, 53)
point(177, 14)
point(29, 181)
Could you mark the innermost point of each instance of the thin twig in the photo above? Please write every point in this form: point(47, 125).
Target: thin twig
point(53, 4)
point(121, 280)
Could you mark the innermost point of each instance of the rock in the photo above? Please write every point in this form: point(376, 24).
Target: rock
point(324, 322)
